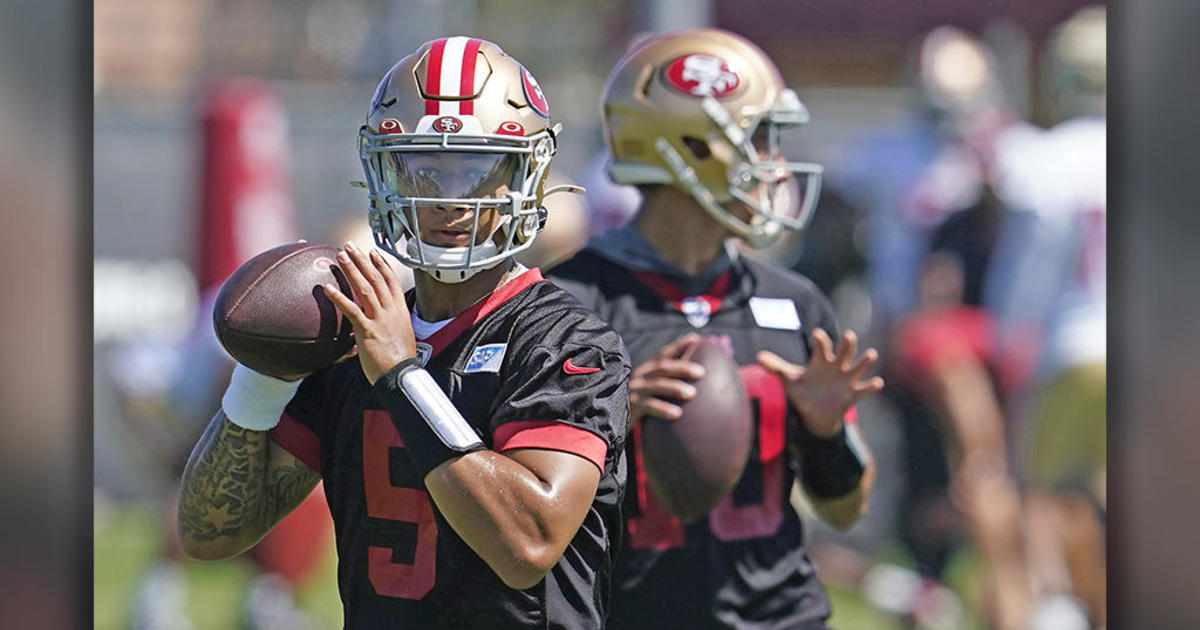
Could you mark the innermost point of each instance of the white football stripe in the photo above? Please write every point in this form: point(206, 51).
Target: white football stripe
point(451, 83)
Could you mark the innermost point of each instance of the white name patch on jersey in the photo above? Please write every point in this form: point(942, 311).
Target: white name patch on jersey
point(486, 358)
point(779, 313)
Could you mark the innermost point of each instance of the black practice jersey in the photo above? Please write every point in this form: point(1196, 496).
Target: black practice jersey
point(528, 367)
point(744, 566)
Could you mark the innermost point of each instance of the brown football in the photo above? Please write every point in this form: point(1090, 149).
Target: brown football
point(692, 463)
point(272, 316)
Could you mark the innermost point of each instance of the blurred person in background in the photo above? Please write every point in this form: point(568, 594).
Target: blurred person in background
point(167, 392)
point(1009, 323)
point(932, 220)
point(1048, 291)
point(908, 180)
point(474, 480)
point(693, 118)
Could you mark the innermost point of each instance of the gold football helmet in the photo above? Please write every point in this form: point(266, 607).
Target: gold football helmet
point(702, 110)
point(457, 124)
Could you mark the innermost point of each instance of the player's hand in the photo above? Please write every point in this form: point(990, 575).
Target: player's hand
point(383, 331)
point(659, 383)
point(824, 390)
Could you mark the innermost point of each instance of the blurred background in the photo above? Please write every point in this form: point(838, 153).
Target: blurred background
point(961, 230)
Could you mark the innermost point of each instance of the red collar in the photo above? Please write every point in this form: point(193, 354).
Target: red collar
point(673, 295)
point(464, 320)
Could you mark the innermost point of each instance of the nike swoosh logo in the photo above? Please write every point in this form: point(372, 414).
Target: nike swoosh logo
point(571, 368)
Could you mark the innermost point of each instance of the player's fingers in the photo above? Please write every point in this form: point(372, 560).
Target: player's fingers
point(359, 285)
point(847, 349)
point(655, 408)
point(370, 270)
point(864, 363)
point(777, 364)
point(867, 388)
point(679, 347)
point(663, 388)
point(394, 287)
point(676, 368)
point(822, 345)
point(347, 306)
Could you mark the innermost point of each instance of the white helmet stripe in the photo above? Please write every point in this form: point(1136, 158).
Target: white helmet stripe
point(451, 79)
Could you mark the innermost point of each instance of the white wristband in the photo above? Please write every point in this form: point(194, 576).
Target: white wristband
point(255, 401)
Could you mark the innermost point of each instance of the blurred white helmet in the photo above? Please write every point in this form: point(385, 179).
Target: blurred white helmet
point(1075, 68)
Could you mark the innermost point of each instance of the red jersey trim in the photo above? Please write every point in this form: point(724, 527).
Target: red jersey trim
point(673, 295)
point(442, 338)
point(554, 436)
point(298, 440)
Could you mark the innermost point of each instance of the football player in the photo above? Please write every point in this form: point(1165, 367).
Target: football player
point(472, 450)
point(1048, 288)
point(693, 119)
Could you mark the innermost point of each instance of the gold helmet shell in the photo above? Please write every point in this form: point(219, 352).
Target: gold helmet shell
point(460, 96)
point(701, 109)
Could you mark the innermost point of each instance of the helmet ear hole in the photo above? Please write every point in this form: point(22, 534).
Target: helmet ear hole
point(698, 147)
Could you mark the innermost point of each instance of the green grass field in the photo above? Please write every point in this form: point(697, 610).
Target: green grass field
point(128, 538)
point(127, 542)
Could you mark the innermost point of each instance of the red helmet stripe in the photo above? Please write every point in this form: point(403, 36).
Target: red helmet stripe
point(433, 76)
point(467, 81)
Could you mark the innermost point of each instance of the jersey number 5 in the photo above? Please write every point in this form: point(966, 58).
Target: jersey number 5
point(656, 528)
point(396, 503)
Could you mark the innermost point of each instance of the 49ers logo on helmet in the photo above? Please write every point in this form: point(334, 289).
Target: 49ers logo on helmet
point(534, 95)
point(701, 75)
point(447, 124)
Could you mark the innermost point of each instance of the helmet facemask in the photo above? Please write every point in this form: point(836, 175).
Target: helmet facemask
point(411, 172)
point(779, 194)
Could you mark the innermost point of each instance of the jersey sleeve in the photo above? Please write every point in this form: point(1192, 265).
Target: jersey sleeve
point(300, 426)
point(565, 389)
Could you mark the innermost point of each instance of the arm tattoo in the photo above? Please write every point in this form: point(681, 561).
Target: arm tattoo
point(229, 489)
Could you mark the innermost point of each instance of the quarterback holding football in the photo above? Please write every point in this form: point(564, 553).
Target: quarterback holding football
point(472, 449)
point(693, 119)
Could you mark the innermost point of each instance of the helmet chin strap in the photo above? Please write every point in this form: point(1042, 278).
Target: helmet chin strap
point(441, 260)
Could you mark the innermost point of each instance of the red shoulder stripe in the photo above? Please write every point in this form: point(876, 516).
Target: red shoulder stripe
point(553, 436)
